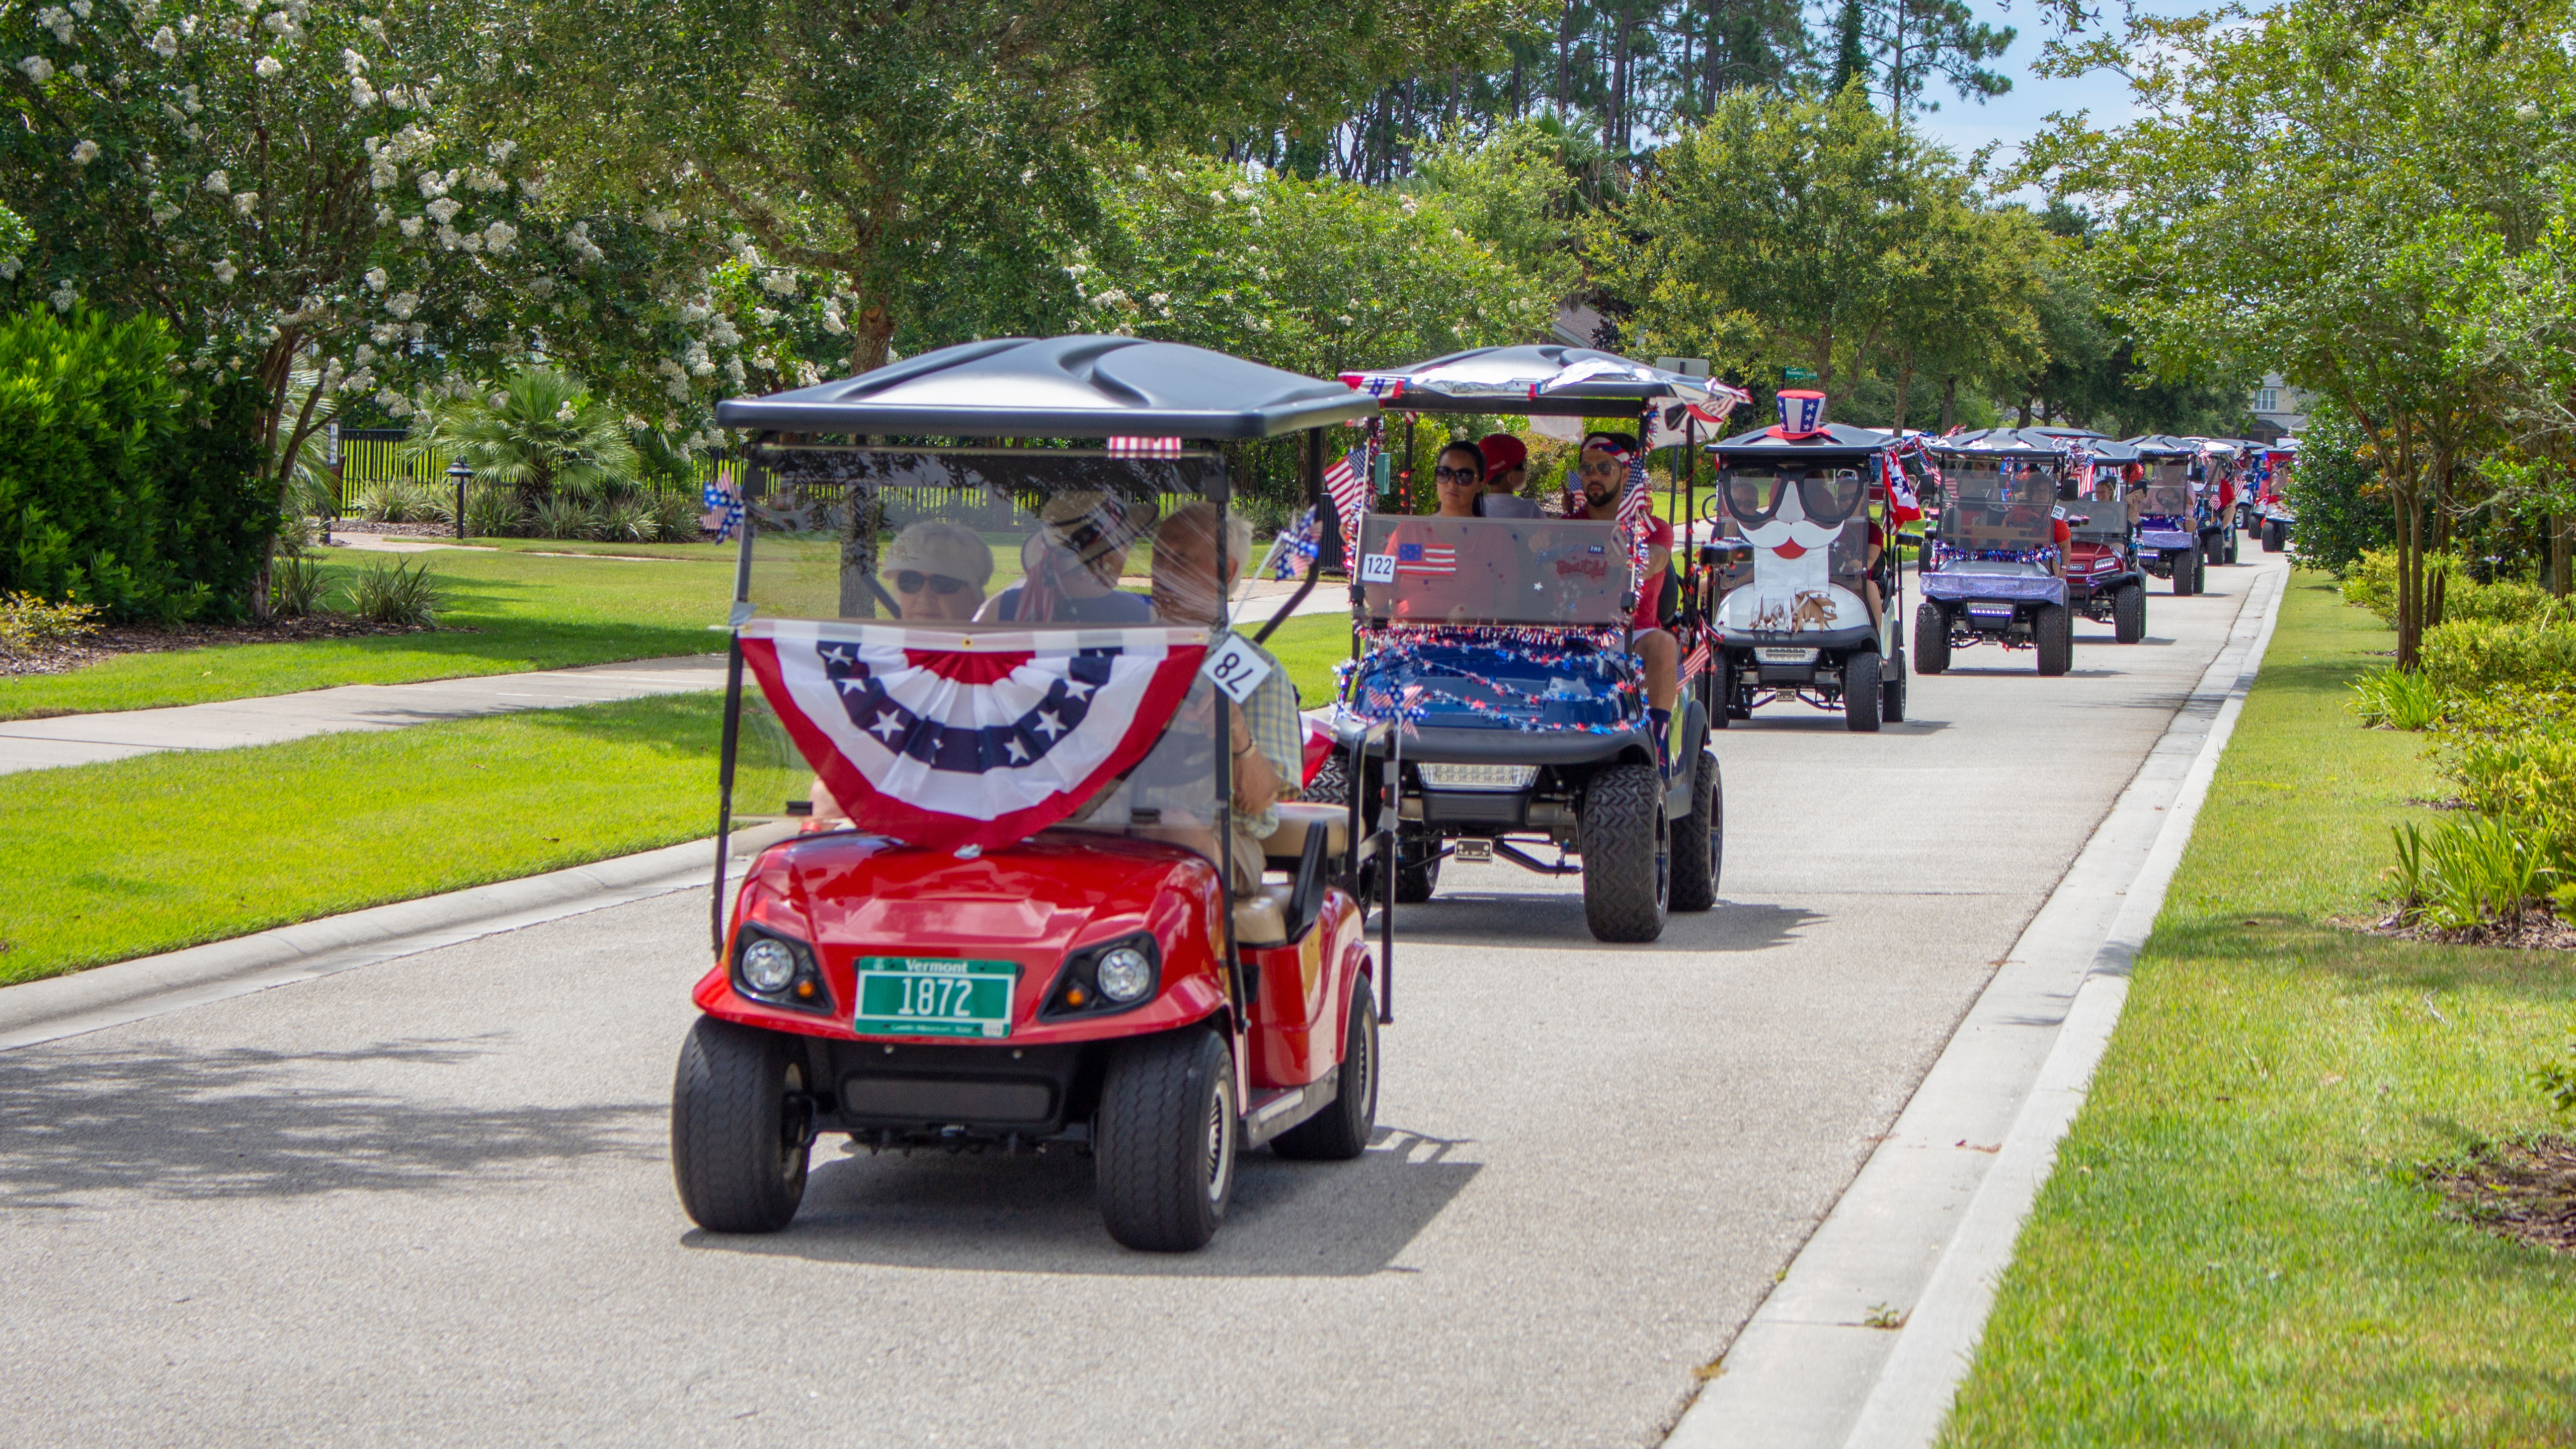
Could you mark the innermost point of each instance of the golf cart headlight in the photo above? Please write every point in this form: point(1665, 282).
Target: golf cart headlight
point(768, 966)
point(1124, 975)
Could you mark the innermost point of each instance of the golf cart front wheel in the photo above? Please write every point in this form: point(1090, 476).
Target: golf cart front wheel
point(1624, 854)
point(741, 1124)
point(2052, 637)
point(1417, 866)
point(1931, 638)
point(1861, 702)
point(2186, 571)
point(1341, 1131)
point(1699, 843)
point(1166, 1140)
point(2275, 535)
point(1892, 691)
point(2129, 613)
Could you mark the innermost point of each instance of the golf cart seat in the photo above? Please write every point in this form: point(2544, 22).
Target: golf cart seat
point(1261, 917)
point(1286, 846)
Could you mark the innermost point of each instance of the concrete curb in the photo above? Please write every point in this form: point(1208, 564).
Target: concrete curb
point(104, 996)
point(1924, 1232)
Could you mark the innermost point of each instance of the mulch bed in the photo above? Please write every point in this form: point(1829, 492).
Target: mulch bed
point(2525, 1190)
point(115, 639)
point(2540, 931)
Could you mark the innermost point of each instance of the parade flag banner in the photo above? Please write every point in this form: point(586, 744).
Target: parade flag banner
point(1903, 504)
point(1346, 483)
point(1698, 660)
point(948, 739)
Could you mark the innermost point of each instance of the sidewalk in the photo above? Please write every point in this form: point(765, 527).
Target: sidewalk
point(82, 739)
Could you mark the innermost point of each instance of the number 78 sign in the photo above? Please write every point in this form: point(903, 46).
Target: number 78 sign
point(1236, 667)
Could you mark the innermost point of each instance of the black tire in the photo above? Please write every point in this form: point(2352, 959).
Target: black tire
point(2275, 535)
point(1721, 694)
point(1166, 1139)
point(2233, 539)
point(1699, 843)
point(1625, 854)
point(2186, 571)
point(1332, 784)
point(1417, 865)
point(1861, 701)
point(2129, 613)
point(741, 1128)
point(1931, 638)
point(1341, 1131)
point(2199, 572)
point(2052, 637)
point(1892, 692)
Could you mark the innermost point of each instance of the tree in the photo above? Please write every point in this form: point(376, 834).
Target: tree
point(933, 161)
point(2301, 188)
point(1913, 42)
point(541, 433)
point(276, 187)
point(1773, 234)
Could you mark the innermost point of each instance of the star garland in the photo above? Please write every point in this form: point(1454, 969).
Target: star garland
point(1404, 647)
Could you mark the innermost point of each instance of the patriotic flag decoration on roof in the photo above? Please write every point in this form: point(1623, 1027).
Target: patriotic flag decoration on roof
point(1903, 504)
point(1137, 447)
point(947, 740)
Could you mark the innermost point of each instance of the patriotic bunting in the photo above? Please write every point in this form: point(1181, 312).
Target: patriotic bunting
point(945, 739)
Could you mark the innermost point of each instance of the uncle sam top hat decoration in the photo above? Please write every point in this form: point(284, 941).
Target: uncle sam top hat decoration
point(1802, 413)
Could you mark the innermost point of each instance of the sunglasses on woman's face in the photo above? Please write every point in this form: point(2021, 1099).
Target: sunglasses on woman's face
point(913, 581)
point(1457, 475)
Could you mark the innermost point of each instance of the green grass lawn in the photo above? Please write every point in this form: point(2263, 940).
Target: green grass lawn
point(162, 851)
point(2235, 1248)
point(525, 613)
point(1308, 648)
point(724, 552)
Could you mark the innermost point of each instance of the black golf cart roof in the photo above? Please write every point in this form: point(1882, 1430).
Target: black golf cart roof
point(1543, 379)
point(1059, 387)
point(2032, 443)
point(1835, 442)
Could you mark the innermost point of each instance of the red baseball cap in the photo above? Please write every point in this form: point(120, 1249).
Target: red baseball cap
point(1503, 452)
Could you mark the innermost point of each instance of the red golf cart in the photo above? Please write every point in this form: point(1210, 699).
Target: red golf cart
point(1010, 905)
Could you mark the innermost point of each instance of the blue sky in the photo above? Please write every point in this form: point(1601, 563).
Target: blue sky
point(2018, 115)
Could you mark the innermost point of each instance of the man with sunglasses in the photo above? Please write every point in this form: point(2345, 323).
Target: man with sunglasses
point(1603, 469)
point(937, 572)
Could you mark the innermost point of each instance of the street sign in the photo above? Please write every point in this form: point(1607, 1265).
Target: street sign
point(1797, 374)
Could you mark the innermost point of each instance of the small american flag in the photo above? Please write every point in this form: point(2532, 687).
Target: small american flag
point(1345, 485)
point(1697, 663)
point(1902, 504)
point(1425, 558)
point(1636, 506)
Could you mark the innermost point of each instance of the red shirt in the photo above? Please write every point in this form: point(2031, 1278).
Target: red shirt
point(1650, 590)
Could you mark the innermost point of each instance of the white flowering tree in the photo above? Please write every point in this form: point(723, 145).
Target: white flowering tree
point(273, 181)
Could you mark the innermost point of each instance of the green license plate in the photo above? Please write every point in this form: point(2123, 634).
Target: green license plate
point(927, 996)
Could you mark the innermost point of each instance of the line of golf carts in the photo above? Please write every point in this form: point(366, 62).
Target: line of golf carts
point(1030, 866)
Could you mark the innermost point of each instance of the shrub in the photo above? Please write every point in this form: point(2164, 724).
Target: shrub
point(494, 512)
point(675, 516)
point(2396, 699)
point(2527, 776)
point(2342, 506)
point(2473, 657)
point(295, 586)
point(564, 516)
point(2371, 584)
point(625, 520)
point(27, 621)
point(386, 592)
point(404, 500)
point(2466, 874)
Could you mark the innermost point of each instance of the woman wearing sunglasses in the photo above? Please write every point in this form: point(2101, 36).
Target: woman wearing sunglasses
point(937, 572)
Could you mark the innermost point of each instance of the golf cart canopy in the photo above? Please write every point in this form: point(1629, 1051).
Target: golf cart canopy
point(1058, 387)
point(1835, 442)
point(2166, 445)
point(2032, 443)
point(1545, 379)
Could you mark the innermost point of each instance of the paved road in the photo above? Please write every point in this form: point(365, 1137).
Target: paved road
point(81, 739)
point(428, 1201)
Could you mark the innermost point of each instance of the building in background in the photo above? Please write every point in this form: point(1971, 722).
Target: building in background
point(2278, 409)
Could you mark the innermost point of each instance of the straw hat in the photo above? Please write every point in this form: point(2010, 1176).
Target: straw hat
point(1089, 524)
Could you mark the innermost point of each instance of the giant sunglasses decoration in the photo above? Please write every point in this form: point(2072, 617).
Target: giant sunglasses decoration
point(1826, 498)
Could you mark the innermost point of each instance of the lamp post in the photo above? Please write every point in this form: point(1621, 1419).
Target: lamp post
point(457, 473)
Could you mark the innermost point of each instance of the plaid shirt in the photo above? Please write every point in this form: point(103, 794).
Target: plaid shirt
point(1271, 716)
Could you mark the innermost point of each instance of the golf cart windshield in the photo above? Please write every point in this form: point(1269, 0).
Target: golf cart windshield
point(964, 646)
point(2099, 511)
point(1800, 505)
point(2167, 491)
point(1492, 571)
point(1998, 510)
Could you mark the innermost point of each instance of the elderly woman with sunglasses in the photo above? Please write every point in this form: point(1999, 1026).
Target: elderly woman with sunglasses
point(937, 572)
